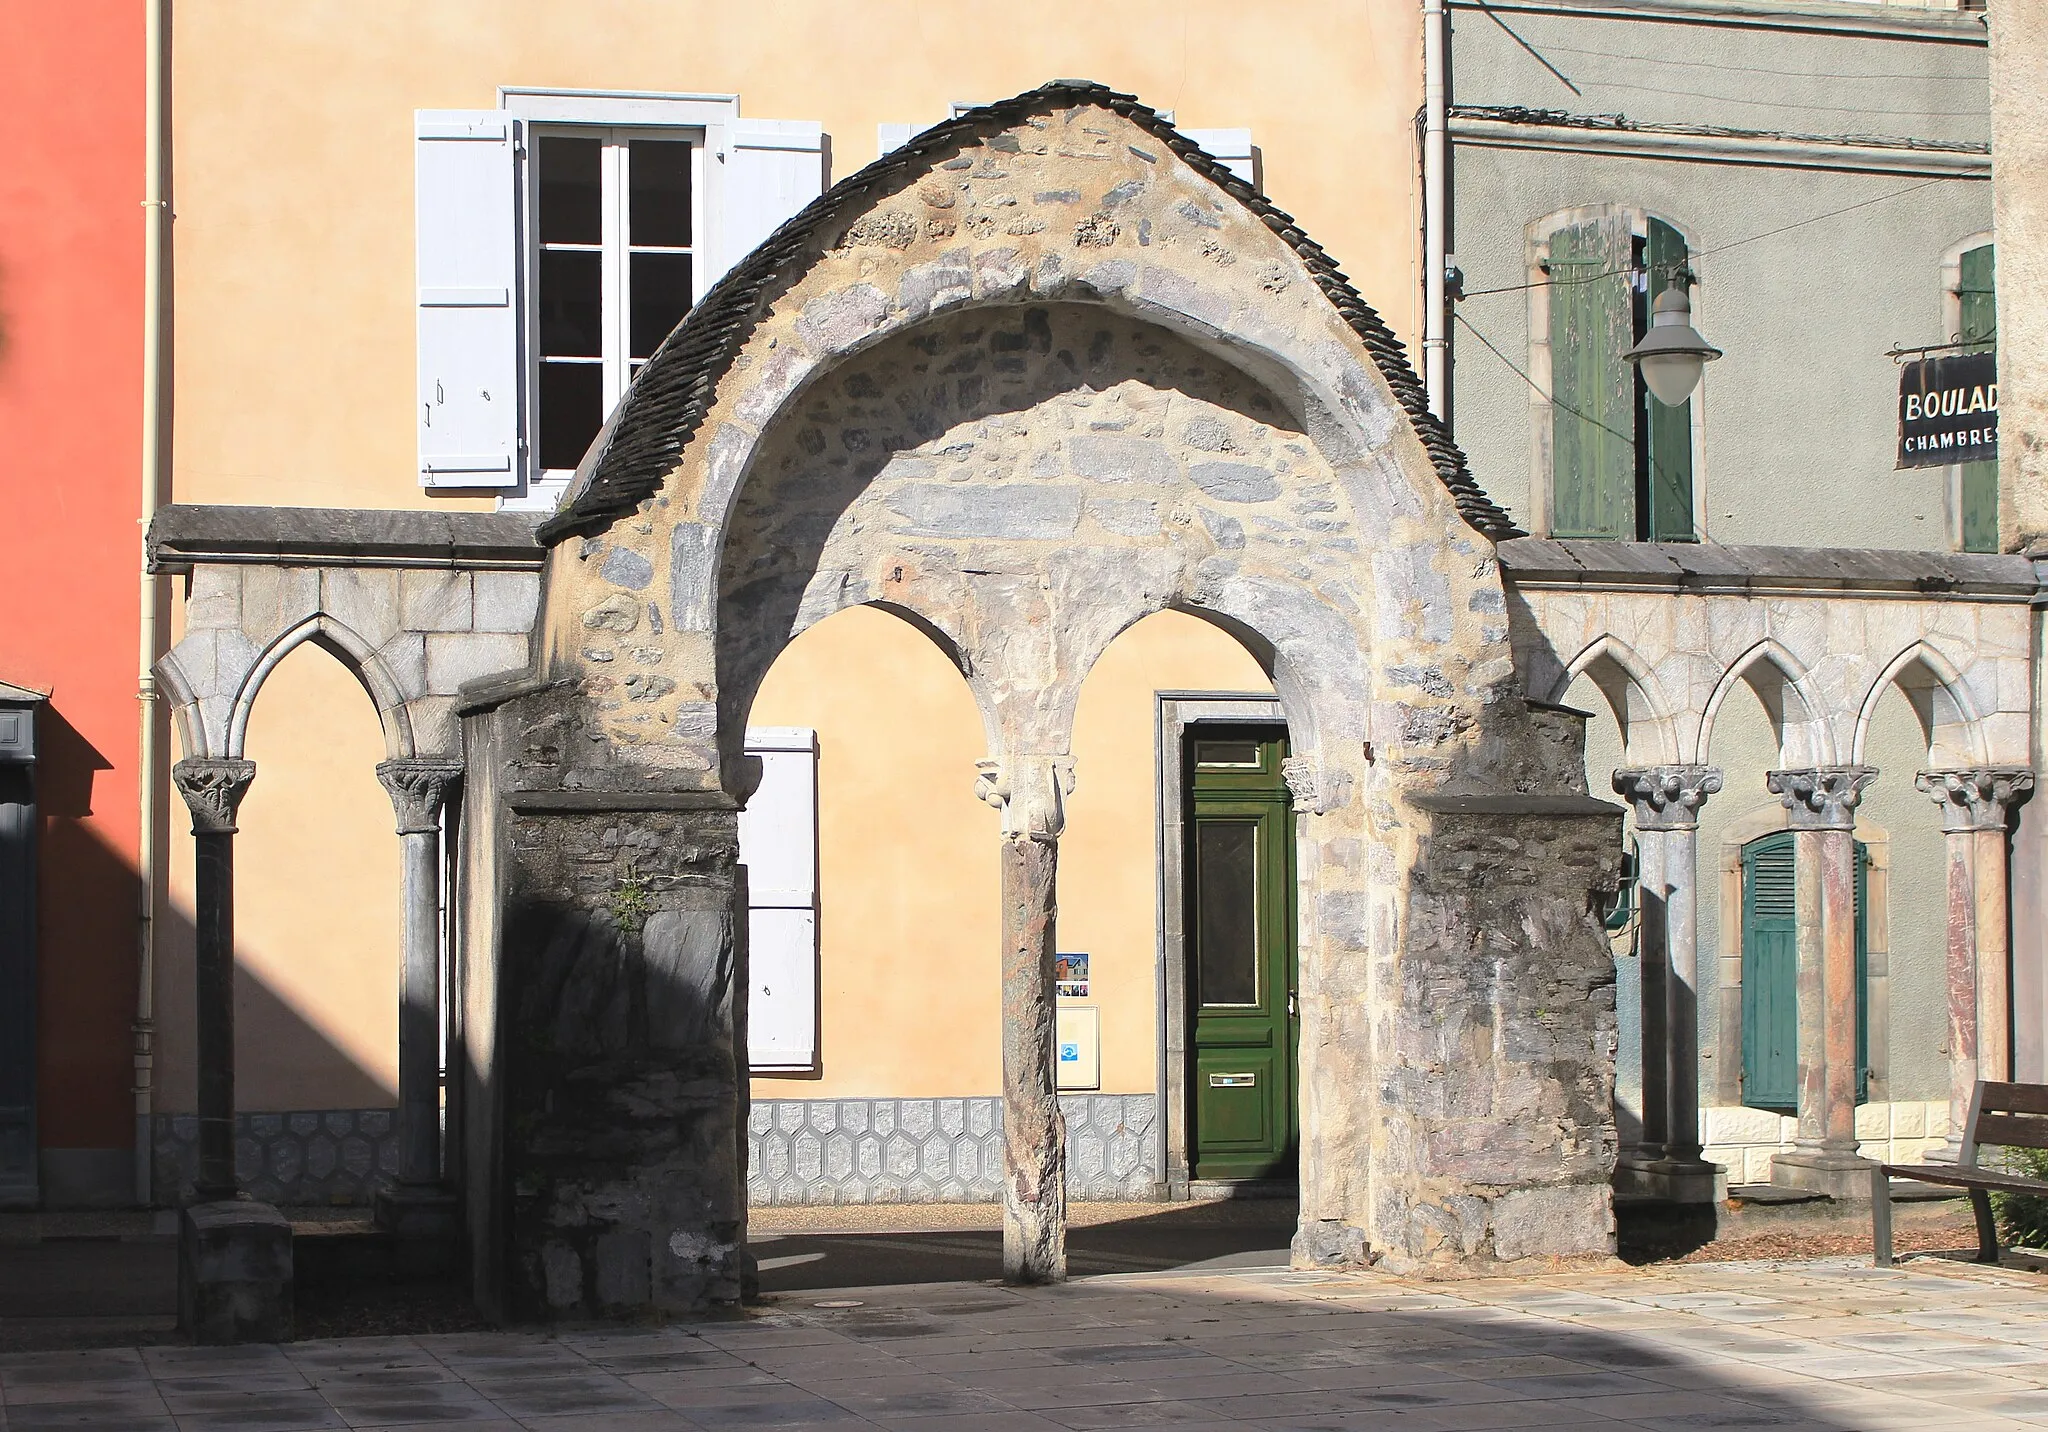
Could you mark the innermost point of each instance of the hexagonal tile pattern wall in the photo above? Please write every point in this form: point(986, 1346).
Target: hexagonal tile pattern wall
point(827, 1151)
point(307, 1156)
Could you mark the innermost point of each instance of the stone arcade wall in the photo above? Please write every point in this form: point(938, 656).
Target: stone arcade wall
point(1043, 372)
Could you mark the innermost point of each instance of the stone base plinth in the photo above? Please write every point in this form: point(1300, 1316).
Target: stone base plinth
point(1671, 1180)
point(1843, 1177)
point(234, 1273)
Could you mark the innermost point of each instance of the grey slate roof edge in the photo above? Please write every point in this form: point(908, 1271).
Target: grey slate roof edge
point(183, 534)
point(673, 393)
point(1697, 566)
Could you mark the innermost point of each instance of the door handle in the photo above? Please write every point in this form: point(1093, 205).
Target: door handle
point(1293, 1005)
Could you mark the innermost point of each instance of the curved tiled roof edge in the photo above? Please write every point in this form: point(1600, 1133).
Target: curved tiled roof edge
point(672, 395)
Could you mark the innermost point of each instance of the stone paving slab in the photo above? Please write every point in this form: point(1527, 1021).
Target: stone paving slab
point(1826, 1346)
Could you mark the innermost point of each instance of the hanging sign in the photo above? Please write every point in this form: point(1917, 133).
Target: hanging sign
point(1948, 410)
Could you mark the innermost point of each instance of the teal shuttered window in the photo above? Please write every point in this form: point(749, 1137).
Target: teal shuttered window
point(1979, 496)
point(1770, 975)
point(1621, 462)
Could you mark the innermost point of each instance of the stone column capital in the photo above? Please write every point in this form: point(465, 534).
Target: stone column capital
point(1976, 797)
point(1666, 797)
point(213, 787)
point(1316, 788)
point(419, 786)
point(1821, 797)
point(1030, 790)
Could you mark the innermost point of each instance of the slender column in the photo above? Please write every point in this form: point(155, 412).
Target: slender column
point(213, 788)
point(418, 789)
point(1999, 789)
point(1667, 801)
point(1030, 793)
point(1822, 804)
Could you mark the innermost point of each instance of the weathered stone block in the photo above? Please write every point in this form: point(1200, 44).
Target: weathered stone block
point(234, 1273)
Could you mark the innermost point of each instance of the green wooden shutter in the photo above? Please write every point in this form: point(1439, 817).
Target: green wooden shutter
point(1980, 330)
point(1669, 429)
point(1592, 425)
point(1770, 975)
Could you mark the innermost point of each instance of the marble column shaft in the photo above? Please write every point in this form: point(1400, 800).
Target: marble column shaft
point(418, 788)
point(1821, 802)
point(1667, 801)
point(213, 788)
point(1030, 794)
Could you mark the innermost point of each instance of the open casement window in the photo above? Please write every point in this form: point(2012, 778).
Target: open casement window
point(1978, 481)
point(1770, 974)
point(1621, 462)
point(554, 256)
point(779, 847)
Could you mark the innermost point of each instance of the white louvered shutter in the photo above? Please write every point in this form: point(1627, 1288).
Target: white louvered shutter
point(770, 169)
point(1232, 148)
point(779, 847)
point(467, 245)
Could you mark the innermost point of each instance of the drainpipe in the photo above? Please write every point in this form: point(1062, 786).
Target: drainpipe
point(155, 223)
point(1435, 311)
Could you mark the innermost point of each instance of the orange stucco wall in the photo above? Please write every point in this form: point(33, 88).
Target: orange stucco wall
point(71, 172)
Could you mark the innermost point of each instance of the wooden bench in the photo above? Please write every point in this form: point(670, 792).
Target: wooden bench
point(2004, 1115)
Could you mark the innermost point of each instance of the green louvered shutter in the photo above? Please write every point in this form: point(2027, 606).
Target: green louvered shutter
point(1592, 433)
point(1980, 329)
point(1669, 429)
point(1770, 975)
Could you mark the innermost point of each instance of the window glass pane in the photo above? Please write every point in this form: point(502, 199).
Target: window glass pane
point(1226, 911)
point(571, 305)
point(1226, 753)
point(659, 182)
point(661, 296)
point(570, 192)
point(571, 411)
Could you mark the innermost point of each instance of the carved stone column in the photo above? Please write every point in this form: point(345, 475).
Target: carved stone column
point(1030, 792)
point(1822, 804)
point(1667, 801)
point(213, 788)
point(1974, 806)
point(419, 787)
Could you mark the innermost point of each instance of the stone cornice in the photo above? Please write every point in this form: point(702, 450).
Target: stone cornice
point(1706, 569)
point(185, 535)
point(1884, 22)
point(1589, 134)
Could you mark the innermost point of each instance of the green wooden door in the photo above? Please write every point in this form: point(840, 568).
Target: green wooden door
point(1980, 331)
point(1593, 391)
point(1241, 957)
point(1770, 976)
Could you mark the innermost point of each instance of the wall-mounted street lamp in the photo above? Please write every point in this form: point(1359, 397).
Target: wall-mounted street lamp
point(1672, 353)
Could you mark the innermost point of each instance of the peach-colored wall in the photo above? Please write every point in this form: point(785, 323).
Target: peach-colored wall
point(909, 928)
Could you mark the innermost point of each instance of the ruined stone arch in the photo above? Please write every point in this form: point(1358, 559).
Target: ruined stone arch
point(1043, 372)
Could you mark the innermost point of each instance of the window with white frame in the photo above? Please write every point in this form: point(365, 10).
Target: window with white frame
point(559, 239)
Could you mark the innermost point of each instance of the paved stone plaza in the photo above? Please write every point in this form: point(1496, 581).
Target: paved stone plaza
point(1833, 1345)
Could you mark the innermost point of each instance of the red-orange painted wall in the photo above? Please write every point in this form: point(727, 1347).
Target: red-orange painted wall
point(71, 232)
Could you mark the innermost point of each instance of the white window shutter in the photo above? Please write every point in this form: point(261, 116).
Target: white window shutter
point(891, 137)
point(1230, 147)
point(779, 847)
point(467, 245)
point(771, 169)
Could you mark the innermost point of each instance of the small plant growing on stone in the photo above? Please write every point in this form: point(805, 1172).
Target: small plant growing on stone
point(631, 904)
point(2023, 1217)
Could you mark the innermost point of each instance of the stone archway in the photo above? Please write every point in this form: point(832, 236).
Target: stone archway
point(1044, 372)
